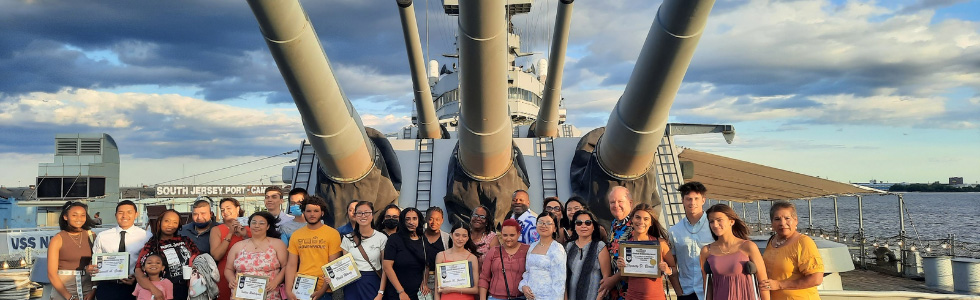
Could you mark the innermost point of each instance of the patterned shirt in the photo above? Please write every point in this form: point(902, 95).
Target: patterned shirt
point(622, 230)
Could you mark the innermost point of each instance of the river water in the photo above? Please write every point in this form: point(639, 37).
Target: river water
point(933, 214)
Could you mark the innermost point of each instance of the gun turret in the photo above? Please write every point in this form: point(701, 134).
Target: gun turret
point(626, 150)
point(427, 122)
point(485, 129)
point(547, 122)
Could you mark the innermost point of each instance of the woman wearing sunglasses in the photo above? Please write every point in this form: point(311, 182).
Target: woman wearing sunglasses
point(587, 265)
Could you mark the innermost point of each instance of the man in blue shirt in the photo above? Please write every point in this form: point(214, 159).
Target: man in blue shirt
point(686, 239)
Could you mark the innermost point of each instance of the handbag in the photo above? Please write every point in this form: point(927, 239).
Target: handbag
point(504, 271)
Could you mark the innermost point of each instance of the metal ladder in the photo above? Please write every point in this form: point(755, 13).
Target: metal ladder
point(423, 191)
point(669, 178)
point(305, 167)
point(549, 176)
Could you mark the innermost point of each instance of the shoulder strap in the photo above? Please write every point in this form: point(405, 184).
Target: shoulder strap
point(502, 270)
point(364, 254)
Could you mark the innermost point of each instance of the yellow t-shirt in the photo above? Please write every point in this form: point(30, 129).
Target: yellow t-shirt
point(793, 261)
point(314, 248)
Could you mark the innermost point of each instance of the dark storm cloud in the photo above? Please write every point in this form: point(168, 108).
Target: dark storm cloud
point(213, 45)
point(928, 4)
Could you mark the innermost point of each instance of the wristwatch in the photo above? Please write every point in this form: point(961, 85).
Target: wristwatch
point(381, 292)
point(401, 291)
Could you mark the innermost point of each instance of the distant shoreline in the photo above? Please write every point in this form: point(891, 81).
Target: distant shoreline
point(933, 188)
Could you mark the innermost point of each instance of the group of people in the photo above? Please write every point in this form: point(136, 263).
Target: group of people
point(561, 253)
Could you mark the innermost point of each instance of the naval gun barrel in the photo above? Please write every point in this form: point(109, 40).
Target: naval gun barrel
point(427, 122)
point(547, 123)
point(485, 129)
point(332, 125)
point(636, 125)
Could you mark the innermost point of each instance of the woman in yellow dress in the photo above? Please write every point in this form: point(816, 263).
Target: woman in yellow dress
point(793, 264)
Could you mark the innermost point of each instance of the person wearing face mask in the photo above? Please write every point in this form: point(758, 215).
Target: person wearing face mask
point(388, 219)
point(199, 231)
point(519, 210)
point(296, 197)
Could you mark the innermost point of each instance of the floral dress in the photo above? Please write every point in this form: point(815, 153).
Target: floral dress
point(264, 263)
point(545, 273)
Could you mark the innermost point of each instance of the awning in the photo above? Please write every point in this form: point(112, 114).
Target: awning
point(729, 179)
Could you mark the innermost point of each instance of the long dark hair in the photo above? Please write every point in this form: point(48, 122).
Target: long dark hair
point(581, 201)
point(63, 224)
point(563, 223)
point(241, 212)
point(154, 241)
point(469, 245)
point(739, 229)
point(490, 218)
point(402, 228)
point(357, 227)
point(379, 222)
point(596, 233)
point(554, 235)
point(269, 218)
point(655, 229)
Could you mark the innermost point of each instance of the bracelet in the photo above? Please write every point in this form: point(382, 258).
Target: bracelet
point(381, 292)
point(401, 291)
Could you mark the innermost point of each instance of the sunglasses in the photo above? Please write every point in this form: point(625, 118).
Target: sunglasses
point(586, 222)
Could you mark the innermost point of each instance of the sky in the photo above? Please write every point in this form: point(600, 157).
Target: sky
point(845, 90)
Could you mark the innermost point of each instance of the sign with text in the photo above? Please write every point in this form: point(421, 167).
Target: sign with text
point(210, 190)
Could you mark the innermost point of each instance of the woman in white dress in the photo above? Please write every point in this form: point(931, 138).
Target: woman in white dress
point(544, 275)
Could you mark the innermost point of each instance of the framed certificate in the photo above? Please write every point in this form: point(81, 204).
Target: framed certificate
point(250, 287)
point(111, 266)
point(642, 258)
point(455, 274)
point(304, 286)
point(341, 271)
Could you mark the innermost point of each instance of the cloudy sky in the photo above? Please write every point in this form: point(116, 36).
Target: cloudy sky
point(848, 90)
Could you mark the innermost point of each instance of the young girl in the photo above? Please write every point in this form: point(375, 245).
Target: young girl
point(728, 255)
point(153, 267)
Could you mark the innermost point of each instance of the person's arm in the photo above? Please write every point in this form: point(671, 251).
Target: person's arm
point(559, 262)
point(283, 256)
point(605, 267)
point(384, 279)
point(219, 246)
point(475, 273)
point(229, 271)
point(609, 283)
point(486, 271)
point(756, 257)
point(388, 266)
point(808, 262)
point(53, 248)
point(522, 286)
point(292, 263)
point(668, 259)
point(704, 276)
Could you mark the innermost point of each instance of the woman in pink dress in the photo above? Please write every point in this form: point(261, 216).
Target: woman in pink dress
point(262, 255)
point(461, 249)
point(728, 255)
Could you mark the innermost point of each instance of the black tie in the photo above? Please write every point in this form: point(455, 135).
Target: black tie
point(122, 241)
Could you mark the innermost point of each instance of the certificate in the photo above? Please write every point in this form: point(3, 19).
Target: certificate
point(341, 271)
point(455, 274)
point(304, 286)
point(111, 266)
point(642, 259)
point(251, 287)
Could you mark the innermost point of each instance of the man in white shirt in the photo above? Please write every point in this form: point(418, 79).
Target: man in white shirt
point(686, 239)
point(123, 238)
point(273, 203)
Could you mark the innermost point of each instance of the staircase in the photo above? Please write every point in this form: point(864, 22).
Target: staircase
point(669, 178)
point(549, 177)
point(305, 167)
point(423, 191)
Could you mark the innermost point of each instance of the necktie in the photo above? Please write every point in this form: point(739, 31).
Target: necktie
point(122, 241)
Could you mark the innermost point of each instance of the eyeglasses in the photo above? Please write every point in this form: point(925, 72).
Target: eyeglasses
point(586, 222)
point(391, 217)
point(363, 213)
point(552, 208)
point(478, 216)
point(545, 224)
